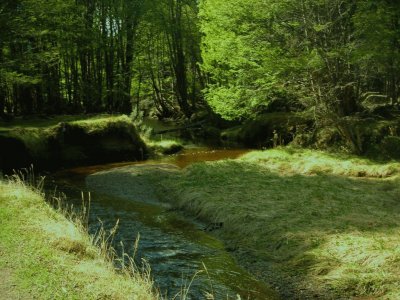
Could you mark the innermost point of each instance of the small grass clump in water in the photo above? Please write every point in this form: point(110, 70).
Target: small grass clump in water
point(48, 257)
point(308, 218)
point(165, 146)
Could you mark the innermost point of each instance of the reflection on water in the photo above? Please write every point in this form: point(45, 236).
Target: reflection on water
point(174, 247)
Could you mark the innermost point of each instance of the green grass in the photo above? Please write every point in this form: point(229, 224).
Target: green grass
point(48, 257)
point(35, 123)
point(160, 144)
point(69, 140)
point(36, 132)
point(164, 146)
point(312, 162)
point(329, 225)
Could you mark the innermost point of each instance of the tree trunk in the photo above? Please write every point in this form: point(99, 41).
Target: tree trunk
point(178, 57)
point(126, 106)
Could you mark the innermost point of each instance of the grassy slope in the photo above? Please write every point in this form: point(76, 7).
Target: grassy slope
point(69, 141)
point(49, 258)
point(34, 133)
point(50, 122)
point(304, 214)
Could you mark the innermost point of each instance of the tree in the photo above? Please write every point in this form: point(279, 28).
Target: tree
point(318, 51)
point(170, 54)
point(377, 49)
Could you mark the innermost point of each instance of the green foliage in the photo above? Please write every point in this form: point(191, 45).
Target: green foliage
point(167, 78)
point(238, 58)
point(161, 59)
point(329, 55)
point(377, 47)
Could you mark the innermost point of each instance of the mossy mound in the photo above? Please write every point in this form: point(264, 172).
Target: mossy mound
point(67, 144)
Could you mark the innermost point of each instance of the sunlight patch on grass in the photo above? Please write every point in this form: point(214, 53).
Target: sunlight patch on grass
point(364, 263)
point(50, 122)
point(101, 122)
point(309, 162)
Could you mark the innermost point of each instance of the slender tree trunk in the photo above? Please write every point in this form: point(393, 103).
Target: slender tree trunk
point(3, 86)
point(2, 98)
point(180, 66)
point(127, 70)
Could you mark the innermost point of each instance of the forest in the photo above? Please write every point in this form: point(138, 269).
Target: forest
point(172, 58)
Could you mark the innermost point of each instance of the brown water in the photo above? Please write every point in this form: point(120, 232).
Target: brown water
point(182, 160)
point(176, 248)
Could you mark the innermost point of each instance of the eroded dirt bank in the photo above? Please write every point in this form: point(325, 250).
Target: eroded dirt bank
point(74, 143)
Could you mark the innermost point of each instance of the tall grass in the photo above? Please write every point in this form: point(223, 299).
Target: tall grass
point(329, 222)
point(102, 239)
point(312, 162)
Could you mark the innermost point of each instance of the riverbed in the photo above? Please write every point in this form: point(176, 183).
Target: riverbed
point(184, 258)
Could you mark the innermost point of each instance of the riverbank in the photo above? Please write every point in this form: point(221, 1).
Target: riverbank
point(313, 224)
point(45, 256)
point(67, 141)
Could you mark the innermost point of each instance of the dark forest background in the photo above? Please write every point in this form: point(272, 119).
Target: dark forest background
point(172, 58)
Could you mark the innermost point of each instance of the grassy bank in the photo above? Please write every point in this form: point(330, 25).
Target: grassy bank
point(69, 141)
point(45, 256)
point(313, 223)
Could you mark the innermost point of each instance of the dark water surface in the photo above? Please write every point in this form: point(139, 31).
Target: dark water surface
point(175, 248)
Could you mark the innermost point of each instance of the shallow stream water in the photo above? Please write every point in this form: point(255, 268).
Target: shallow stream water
point(175, 247)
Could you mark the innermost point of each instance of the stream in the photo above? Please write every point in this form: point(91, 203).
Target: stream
point(175, 247)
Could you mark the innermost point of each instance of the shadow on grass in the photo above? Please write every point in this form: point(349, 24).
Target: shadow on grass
point(324, 235)
point(320, 235)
